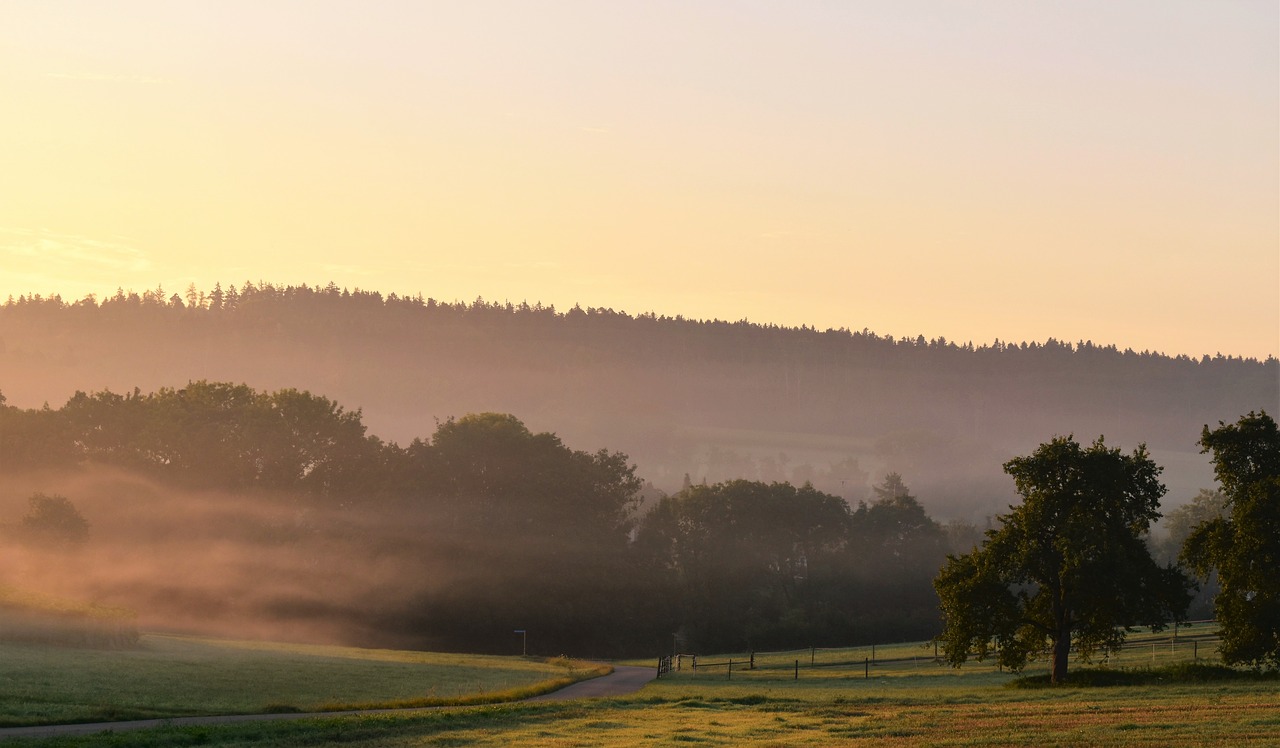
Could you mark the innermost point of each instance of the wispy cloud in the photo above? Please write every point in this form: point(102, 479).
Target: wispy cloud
point(54, 256)
point(345, 270)
point(106, 77)
point(533, 265)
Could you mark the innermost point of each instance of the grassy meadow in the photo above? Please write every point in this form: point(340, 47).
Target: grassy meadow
point(167, 676)
point(908, 700)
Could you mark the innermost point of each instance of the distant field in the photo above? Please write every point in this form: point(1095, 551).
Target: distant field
point(168, 676)
point(903, 704)
point(935, 710)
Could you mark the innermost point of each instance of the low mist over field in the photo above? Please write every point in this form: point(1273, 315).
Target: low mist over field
point(635, 326)
point(600, 479)
point(206, 561)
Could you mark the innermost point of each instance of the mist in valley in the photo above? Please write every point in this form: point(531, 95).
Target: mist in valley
point(321, 479)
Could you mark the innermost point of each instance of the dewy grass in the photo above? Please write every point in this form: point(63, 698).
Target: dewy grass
point(169, 676)
point(1180, 673)
point(934, 706)
point(903, 712)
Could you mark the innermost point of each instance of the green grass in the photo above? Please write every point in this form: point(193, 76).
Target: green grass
point(27, 616)
point(166, 676)
point(908, 703)
point(14, 598)
point(973, 710)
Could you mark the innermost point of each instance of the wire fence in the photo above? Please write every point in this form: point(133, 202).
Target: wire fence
point(1188, 642)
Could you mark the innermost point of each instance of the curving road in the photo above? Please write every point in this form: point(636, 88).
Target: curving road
point(622, 681)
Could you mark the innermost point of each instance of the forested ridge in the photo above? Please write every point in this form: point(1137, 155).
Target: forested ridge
point(713, 399)
point(323, 463)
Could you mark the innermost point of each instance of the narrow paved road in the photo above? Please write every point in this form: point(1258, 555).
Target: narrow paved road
point(622, 681)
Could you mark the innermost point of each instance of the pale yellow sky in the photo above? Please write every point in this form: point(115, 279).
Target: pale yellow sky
point(1086, 170)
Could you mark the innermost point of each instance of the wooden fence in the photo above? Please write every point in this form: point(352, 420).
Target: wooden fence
point(1185, 643)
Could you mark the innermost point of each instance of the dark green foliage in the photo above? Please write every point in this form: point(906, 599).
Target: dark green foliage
point(750, 560)
point(1207, 505)
point(1179, 523)
point(1067, 567)
point(761, 565)
point(528, 534)
point(633, 381)
point(1244, 546)
point(220, 435)
point(508, 528)
point(53, 522)
point(489, 527)
point(32, 439)
point(894, 536)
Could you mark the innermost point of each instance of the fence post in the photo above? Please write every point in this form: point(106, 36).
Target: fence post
point(873, 653)
point(797, 670)
point(730, 675)
point(866, 668)
point(752, 665)
point(812, 650)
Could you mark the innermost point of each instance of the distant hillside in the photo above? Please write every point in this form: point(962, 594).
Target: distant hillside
point(709, 399)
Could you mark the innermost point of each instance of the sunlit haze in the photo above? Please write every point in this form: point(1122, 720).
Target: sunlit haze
point(1085, 171)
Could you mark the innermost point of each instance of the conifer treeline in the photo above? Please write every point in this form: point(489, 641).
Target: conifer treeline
point(714, 399)
point(309, 302)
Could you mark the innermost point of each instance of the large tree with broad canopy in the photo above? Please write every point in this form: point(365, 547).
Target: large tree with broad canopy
point(1068, 567)
point(1244, 547)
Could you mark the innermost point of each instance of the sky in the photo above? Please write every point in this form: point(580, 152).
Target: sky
point(1105, 171)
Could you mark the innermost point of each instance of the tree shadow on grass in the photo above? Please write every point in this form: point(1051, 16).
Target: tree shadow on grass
point(1183, 673)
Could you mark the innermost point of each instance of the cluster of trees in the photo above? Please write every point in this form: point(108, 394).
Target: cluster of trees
point(492, 526)
point(50, 522)
point(715, 399)
point(1069, 567)
point(488, 526)
point(756, 565)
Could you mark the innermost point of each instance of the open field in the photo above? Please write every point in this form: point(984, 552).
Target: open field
point(901, 704)
point(976, 710)
point(168, 676)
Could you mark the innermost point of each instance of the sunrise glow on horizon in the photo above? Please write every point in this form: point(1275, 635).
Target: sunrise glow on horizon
point(1085, 171)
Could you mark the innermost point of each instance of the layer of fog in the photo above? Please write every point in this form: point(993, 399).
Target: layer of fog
point(247, 566)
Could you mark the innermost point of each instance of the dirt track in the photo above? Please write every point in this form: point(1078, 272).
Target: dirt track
point(622, 681)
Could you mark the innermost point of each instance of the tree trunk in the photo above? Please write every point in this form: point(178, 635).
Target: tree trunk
point(1061, 646)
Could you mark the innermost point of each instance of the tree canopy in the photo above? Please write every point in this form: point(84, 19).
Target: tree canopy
point(1244, 546)
point(1179, 523)
point(53, 521)
point(1068, 566)
point(937, 410)
point(756, 565)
